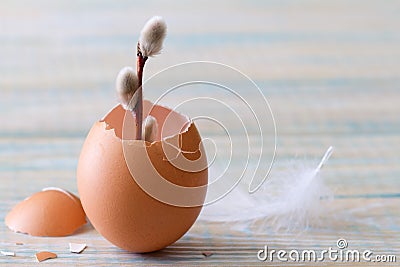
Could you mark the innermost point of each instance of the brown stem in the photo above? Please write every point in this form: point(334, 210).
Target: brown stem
point(138, 110)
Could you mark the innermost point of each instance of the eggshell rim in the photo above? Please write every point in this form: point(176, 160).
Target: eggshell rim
point(148, 144)
point(69, 194)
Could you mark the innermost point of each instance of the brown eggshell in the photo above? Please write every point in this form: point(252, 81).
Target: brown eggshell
point(45, 255)
point(118, 204)
point(51, 212)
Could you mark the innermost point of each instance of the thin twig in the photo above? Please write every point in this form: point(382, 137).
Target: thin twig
point(138, 109)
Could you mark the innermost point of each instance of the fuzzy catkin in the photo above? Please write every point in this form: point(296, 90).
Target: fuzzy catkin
point(152, 36)
point(126, 86)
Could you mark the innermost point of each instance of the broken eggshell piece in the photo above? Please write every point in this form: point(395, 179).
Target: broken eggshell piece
point(121, 180)
point(45, 255)
point(51, 212)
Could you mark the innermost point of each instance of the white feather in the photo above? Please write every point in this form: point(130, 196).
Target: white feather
point(152, 36)
point(126, 86)
point(291, 200)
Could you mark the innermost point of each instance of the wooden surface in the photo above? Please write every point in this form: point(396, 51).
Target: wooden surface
point(329, 69)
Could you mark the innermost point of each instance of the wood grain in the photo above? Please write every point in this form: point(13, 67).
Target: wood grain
point(329, 69)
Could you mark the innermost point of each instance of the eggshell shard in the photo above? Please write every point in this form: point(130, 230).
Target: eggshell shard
point(8, 253)
point(76, 248)
point(52, 212)
point(112, 194)
point(45, 255)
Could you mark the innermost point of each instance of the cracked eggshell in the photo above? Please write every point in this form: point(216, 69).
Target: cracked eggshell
point(51, 212)
point(123, 201)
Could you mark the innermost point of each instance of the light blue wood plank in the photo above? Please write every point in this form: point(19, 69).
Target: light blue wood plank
point(330, 70)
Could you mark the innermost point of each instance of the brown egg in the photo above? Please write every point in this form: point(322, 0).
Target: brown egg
point(51, 212)
point(142, 196)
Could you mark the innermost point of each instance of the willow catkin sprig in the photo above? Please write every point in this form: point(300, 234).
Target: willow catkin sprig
point(129, 83)
point(150, 44)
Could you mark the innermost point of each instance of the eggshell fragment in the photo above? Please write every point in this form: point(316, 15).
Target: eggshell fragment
point(52, 212)
point(115, 194)
point(76, 248)
point(45, 255)
point(8, 253)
